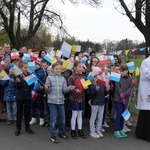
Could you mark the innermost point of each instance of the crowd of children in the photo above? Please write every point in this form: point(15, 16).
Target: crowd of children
point(60, 101)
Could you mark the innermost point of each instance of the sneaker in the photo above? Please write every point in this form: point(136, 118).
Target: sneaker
point(63, 135)
point(53, 139)
point(100, 134)
point(106, 125)
point(8, 122)
point(33, 121)
point(117, 134)
point(41, 122)
point(94, 135)
point(123, 134)
point(102, 130)
point(128, 124)
point(126, 129)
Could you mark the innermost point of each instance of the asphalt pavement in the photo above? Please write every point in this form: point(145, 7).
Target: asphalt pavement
point(40, 140)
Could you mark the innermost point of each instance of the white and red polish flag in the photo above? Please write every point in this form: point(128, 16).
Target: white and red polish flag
point(33, 56)
point(34, 95)
point(14, 55)
point(3, 64)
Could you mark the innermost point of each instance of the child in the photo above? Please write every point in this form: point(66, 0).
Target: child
point(104, 76)
point(97, 94)
point(122, 93)
point(38, 102)
point(77, 100)
point(46, 107)
point(66, 73)
point(10, 96)
point(115, 68)
point(23, 98)
point(56, 87)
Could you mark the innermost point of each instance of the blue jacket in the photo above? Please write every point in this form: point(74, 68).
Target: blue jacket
point(97, 97)
point(23, 90)
point(9, 89)
point(40, 74)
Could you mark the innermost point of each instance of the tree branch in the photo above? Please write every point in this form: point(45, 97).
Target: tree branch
point(31, 24)
point(18, 24)
point(32, 33)
point(138, 22)
point(57, 15)
point(147, 14)
point(5, 20)
point(138, 6)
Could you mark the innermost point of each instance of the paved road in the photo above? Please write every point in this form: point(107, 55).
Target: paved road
point(40, 140)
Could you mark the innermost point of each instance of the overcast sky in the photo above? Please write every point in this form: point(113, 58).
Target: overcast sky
point(85, 22)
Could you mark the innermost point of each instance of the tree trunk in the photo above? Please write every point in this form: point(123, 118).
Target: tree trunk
point(147, 39)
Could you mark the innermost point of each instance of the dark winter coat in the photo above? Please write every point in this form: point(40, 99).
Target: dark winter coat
point(9, 89)
point(123, 86)
point(23, 90)
point(97, 97)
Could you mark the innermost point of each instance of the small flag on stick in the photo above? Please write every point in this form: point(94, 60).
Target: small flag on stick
point(3, 64)
point(34, 95)
point(31, 66)
point(83, 84)
point(30, 79)
point(16, 71)
point(115, 76)
point(131, 65)
point(14, 55)
point(33, 56)
point(4, 76)
point(137, 72)
point(126, 114)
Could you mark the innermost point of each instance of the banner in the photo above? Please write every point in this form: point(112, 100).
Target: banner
point(126, 52)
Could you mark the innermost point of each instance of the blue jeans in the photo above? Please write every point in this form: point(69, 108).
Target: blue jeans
point(11, 110)
point(119, 121)
point(37, 103)
point(57, 116)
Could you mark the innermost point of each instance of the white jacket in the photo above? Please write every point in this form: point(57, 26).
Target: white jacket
point(144, 86)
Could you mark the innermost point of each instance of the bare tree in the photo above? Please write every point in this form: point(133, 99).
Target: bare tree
point(18, 14)
point(138, 12)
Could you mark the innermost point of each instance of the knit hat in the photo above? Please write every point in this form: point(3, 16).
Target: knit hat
point(96, 71)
